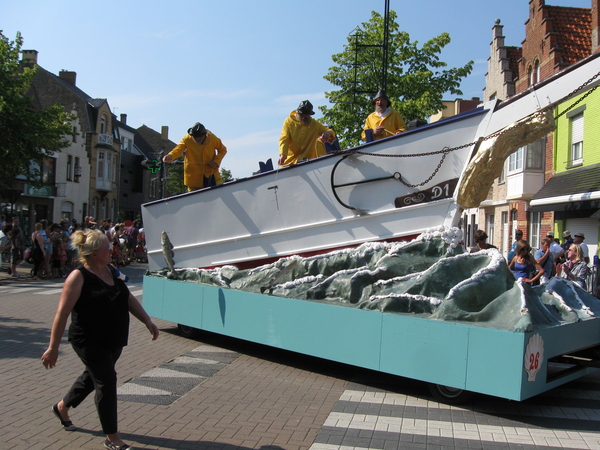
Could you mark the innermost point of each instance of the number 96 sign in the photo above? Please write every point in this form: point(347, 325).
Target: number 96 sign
point(534, 356)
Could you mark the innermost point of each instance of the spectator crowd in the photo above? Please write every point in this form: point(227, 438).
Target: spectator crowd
point(49, 246)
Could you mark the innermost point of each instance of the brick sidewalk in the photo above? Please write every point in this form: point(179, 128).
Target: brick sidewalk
point(271, 400)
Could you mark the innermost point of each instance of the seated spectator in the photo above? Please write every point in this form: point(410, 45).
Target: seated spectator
point(480, 242)
point(575, 269)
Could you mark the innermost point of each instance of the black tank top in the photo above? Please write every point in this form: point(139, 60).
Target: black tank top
point(101, 314)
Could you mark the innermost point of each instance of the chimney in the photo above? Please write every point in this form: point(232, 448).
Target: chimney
point(124, 119)
point(68, 76)
point(30, 56)
point(164, 132)
point(595, 26)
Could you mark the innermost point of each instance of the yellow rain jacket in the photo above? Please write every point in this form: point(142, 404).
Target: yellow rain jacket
point(195, 166)
point(392, 122)
point(299, 141)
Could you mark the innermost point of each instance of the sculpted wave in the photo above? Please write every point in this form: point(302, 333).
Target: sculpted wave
point(429, 277)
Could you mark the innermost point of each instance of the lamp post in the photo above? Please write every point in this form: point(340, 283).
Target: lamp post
point(156, 166)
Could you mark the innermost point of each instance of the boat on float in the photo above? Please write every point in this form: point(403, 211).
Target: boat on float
point(387, 190)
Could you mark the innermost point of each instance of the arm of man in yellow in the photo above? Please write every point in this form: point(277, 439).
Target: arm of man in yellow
point(176, 152)
point(284, 143)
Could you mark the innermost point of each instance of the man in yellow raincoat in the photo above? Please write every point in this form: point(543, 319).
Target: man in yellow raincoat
point(302, 137)
point(385, 121)
point(203, 154)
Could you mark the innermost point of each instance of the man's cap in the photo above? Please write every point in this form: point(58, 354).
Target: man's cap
point(74, 220)
point(305, 107)
point(550, 233)
point(381, 94)
point(197, 130)
point(579, 234)
point(566, 234)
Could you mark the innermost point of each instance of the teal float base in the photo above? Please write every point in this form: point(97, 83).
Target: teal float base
point(463, 356)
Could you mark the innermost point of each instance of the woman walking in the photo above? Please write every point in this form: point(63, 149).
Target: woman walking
point(99, 304)
point(39, 254)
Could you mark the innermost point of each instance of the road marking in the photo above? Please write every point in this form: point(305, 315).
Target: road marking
point(136, 389)
point(168, 382)
point(388, 419)
point(50, 291)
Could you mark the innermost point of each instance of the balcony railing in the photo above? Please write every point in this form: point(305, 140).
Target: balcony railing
point(105, 139)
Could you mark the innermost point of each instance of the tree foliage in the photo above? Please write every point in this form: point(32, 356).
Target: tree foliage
point(416, 77)
point(28, 135)
point(175, 178)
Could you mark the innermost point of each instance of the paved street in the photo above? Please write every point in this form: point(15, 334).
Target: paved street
point(219, 393)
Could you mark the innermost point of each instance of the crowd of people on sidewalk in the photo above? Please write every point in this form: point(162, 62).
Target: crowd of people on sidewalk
point(50, 248)
point(569, 259)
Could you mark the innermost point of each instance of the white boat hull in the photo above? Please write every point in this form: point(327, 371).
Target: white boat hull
point(295, 211)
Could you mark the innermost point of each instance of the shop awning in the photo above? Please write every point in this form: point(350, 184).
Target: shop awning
point(573, 190)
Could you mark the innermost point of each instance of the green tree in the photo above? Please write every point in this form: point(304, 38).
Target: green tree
point(226, 175)
point(28, 135)
point(175, 178)
point(416, 77)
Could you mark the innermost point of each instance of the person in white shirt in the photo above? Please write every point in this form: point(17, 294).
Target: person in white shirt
point(578, 239)
point(555, 248)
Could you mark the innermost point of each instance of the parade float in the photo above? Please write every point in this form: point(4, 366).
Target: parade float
point(356, 257)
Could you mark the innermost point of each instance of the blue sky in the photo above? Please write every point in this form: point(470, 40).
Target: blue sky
point(238, 66)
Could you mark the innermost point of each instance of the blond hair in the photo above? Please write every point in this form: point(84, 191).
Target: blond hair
point(87, 242)
point(578, 251)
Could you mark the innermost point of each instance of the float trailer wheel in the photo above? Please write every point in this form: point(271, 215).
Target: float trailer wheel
point(188, 332)
point(449, 395)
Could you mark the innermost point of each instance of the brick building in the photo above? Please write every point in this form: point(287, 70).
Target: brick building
point(555, 38)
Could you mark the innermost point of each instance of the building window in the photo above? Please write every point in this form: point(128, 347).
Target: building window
point(74, 134)
point(529, 157)
point(100, 168)
point(48, 170)
point(490, 227)
point(535, 152)
point(114, 169)
point(515, 160)
point(69, 168)
point(77, 170)
point(95, 207)
point(67, 210)
point(534, 229)
point(505, 236)
point(472, 242)
point(103, 127)
point(108, 165)
point(125, 144)
point(576, 155)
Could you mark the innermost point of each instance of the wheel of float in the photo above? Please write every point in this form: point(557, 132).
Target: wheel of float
point(188, 332)
point(449, 395)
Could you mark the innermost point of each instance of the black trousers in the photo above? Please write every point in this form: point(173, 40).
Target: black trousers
point(100, 376)
point(38, 259)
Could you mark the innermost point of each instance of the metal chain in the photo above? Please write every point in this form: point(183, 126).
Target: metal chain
point(432, 175)
point(447, 150)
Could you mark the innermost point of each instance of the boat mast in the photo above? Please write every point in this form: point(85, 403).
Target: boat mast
point(384, 60)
